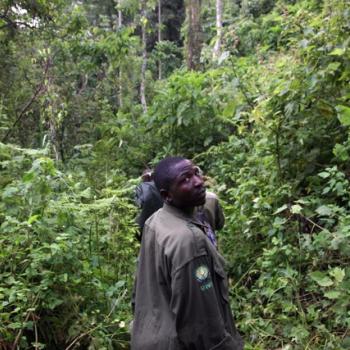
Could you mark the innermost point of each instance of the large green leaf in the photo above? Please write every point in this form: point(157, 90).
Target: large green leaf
point(321, 278)
point(323, 210)
point(338, 274)
point(344, 114)
point(332, 294)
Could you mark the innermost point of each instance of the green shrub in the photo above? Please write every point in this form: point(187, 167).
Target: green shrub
point(66, 257)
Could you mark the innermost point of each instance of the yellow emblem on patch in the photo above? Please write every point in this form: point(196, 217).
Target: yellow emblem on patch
point(202, 273)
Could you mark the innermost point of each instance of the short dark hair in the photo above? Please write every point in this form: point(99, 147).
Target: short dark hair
point(147, 175)
point(162, 175)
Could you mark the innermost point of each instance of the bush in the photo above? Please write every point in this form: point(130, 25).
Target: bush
point(67, 256)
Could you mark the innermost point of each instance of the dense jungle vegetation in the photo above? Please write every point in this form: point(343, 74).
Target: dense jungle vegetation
point(255, 91)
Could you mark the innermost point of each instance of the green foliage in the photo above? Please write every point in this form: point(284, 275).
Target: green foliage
point(286, 202)
point(256, 8)
point(269, 121)
point(193, 102)
point(169, 56)
point(67, 256)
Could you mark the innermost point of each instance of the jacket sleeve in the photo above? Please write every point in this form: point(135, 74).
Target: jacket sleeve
point(197, 303)
point(219, 216)
point(139, 196)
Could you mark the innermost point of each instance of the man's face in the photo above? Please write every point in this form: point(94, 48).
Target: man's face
point(187, 189)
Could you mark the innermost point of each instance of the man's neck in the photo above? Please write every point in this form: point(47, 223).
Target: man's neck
point(186, 210)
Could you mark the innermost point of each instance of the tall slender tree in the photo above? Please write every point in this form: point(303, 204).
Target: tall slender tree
point(159, 36)
point(194, 33)
point(120, 72)
point(120, 14)
point(217, 46)
point(144, 54)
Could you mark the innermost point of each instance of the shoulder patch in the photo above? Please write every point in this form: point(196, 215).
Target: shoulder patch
point(202, 273)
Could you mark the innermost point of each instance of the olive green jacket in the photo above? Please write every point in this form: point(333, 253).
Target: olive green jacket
point(181, 294)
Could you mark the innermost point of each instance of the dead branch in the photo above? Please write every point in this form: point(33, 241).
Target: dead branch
point(38, 91)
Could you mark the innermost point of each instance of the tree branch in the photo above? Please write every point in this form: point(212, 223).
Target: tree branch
point(19, 334)
point(14, 23)
point(39, 89)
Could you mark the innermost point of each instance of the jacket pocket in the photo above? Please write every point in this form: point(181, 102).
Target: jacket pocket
point(222, 282)
point(145, 331)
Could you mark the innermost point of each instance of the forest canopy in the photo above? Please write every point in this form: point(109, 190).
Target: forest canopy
point(256, 92)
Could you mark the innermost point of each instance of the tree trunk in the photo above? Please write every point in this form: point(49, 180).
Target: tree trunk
point(54, 117)
point(159, 36)
point(120, 71)
point(194, 34)
point(144, 56)
point(217, 46)
point(120, 16)
point(54, 138)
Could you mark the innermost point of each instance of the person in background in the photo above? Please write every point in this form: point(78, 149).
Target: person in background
point(211, 211)
point(181, 290)
point(147, 198)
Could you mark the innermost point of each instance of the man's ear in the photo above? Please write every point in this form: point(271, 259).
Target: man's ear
point(166, 196)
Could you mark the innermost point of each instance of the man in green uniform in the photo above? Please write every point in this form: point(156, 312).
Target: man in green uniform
point(181, 294)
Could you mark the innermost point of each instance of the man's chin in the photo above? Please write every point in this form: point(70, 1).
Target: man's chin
point(201, 201)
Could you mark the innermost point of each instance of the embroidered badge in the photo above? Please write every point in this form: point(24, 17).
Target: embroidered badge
point(202, 273)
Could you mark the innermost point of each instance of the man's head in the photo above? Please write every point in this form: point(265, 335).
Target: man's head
point(179, 182)
point(147, 175)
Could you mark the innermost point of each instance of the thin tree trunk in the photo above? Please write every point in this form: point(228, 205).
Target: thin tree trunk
point(120, 71)
point(120, 15)
point(144, 56)
point(217, 46)
point(194, 35)
point(54, 140)
point(159, 36)
point(54, 120)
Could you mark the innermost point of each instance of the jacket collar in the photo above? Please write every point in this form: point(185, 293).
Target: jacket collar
point(192, 218)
